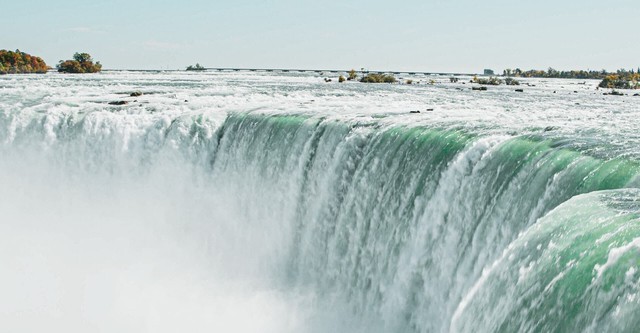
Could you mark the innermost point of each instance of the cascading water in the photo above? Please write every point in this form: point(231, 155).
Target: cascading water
point(256, 203)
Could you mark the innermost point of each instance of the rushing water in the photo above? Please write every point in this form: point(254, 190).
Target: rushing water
point(281, 203)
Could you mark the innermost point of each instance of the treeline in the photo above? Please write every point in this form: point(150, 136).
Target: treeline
point(574, 74)
point(19, 63)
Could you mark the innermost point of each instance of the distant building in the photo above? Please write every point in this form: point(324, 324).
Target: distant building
point(489, 72)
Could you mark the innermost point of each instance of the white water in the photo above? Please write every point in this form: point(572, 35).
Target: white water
point(148, 218)
point(111, 252)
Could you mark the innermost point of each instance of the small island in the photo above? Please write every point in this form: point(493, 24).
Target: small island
point(197, 67)
point(21, 63)
point(492, 81)
point(81, 63)
point(378, 78)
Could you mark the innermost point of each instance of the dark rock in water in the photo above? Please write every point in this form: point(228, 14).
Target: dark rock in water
point(519, 90)
point(414, 111)
point(614, 93)
point(575, 91)
point(636, 94)
point(554, 91)
point(550, 128)
point(479, 88)
point(429, 109)
point(327, 80)
point(136, 94)
point(118, 103)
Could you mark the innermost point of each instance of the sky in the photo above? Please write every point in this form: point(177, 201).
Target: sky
point(463, 36)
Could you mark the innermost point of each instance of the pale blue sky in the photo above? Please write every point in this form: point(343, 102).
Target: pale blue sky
point(427, 35)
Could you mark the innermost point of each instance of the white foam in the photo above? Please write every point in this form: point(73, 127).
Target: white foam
point(615, 254)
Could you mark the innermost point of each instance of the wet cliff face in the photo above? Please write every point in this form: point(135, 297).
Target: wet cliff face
point(276, 203)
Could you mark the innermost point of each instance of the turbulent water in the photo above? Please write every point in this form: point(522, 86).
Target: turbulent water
point(247, 202)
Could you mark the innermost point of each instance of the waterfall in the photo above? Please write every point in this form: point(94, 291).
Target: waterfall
point(274, 222)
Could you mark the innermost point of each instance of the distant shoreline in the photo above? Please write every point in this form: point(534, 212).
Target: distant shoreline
point(295, 70)
point(339, 71)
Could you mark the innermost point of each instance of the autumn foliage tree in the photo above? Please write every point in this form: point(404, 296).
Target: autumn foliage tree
point(81, 63)
point(19, 62)
point(626, 80)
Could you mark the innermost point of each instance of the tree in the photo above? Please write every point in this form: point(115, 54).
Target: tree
point(82, 57)
point(494, 81)
point(511, 82)
point(352, 75)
